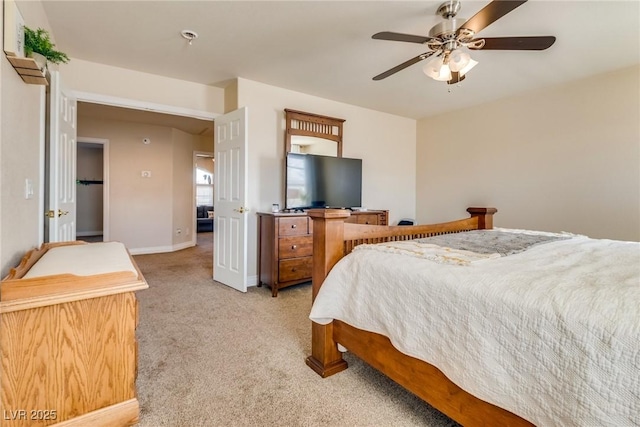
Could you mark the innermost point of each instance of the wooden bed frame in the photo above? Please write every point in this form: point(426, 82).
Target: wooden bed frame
point(333, 239)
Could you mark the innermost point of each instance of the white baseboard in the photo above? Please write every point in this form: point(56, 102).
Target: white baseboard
point(252, 280)
point(183, 245)
point(89, 233)
point(161, 249)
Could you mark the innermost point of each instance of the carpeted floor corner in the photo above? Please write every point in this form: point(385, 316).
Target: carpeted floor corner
point(212, 356)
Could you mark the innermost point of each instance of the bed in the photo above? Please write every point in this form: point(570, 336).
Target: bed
point(592, 381)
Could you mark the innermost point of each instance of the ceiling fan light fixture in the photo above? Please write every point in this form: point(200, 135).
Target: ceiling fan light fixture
point(432, 68)
point(458, 59)
point(444, 74)
point(437, 69)
point(449, 40)
point(468, 67)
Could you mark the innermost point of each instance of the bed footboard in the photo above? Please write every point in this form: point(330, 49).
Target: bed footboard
point(333, 239)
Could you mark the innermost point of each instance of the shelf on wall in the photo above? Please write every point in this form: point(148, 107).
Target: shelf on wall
point(28, 70)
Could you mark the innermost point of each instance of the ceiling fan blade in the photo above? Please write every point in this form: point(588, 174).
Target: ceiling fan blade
point(403, 66)
point(398, 37)
point(490, 14)
point(517, 43)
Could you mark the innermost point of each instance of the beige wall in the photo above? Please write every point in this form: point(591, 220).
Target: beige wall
point(566, 158)
point(205, 163)
point(3, 65)
point(231, 96)
point(145, 213)
point(21, 136)
point(183, 193)
point(386, 143)
point(100, 79)
point(108, 81)
point(204, 143)
point(22, 130)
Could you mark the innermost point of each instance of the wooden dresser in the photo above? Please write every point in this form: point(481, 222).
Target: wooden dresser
point(369, 217)
point(285, 246)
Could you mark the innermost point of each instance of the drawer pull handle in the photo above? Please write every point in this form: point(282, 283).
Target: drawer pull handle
point(294, 247)
point(293, 225)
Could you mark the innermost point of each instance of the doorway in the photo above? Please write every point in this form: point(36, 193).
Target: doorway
point(203, 167)
point(92, 211)
point(151, 180)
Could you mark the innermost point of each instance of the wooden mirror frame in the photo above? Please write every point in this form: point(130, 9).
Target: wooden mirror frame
point(314, 125)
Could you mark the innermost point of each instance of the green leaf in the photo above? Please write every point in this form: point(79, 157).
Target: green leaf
point(39, 41)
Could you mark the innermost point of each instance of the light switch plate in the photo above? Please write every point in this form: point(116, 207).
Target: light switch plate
point(28, 189)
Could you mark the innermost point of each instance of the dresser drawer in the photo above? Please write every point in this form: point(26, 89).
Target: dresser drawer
point(371, 219)
point(359, 218)
point(295, 269)
point(293, 226)
point(295, 247)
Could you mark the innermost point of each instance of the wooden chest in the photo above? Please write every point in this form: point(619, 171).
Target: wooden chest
point(68, 341)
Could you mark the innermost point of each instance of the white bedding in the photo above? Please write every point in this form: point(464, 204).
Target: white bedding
point(551, 334)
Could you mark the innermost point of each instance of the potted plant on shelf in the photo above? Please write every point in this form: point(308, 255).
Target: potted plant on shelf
point(38, 45)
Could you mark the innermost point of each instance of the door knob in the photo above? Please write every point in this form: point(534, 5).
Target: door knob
point(52, 214)
point(241, 210)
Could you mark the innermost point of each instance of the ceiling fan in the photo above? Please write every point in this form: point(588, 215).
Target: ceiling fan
point(448, 41)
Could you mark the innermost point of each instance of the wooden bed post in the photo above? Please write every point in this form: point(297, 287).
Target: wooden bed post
point(485, 217)
point(328, 248)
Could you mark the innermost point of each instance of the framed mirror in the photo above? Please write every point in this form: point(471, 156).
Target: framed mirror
point(313, 134)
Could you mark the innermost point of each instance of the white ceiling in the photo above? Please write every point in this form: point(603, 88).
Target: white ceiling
point(324, 48)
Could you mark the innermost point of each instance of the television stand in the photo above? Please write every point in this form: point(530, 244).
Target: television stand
point(285, 245)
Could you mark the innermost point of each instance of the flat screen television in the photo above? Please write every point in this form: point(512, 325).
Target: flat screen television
point(314, 181)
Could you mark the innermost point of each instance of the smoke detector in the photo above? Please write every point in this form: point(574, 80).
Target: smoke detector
point(189, 35)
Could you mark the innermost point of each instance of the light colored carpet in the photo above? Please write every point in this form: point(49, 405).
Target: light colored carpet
point(212, 356)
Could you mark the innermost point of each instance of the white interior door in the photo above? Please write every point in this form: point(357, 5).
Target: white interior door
point(61, 211)
point(229, 237)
